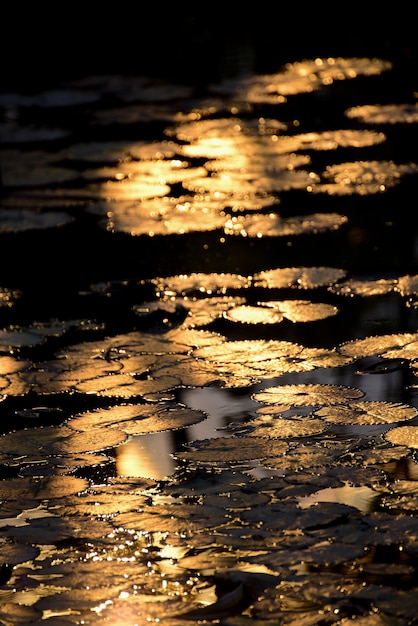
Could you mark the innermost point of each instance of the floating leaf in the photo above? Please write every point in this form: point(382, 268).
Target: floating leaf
point(369, 412)
point(246, 314)
point(238, 351)
point(407, 285)
point(301, 277)
point(225, 450)
point(136, 419)
point(398, 113)
point(302, 310)
point(363, 177)
point(199, 283)
point(364, 288)
point(273, 225)
point(392, 346)
point(180, 219)
point(308, 395)
point(403, 436)
point(59, 440)
point(41, 489)
point(284, 428)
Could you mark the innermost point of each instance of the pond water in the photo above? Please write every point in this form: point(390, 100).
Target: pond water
point(209, 347)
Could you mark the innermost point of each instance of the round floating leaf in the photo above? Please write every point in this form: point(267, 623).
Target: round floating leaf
point(302, 310)
point(59, 440)
point(226, 450)
point(246, 314)
point(138, 419)
point(403, 436)
point(179, 220)
point(363, 177)
point(42, 488)
point(364, 288)
point(238, 351)
point(285, 428)
point(369, 412)
point(301, 277)
point(199, 283)
point(399, 113)
point(308, 395)
point(272, 225)
point(392, 346)
point(127, 190)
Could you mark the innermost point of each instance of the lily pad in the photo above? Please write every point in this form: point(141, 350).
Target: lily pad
point(300, 277)
point(225, 450)
point(273, 225)
point(136, 419)
point(404, 436)
point(308, 395)
point(369, 412)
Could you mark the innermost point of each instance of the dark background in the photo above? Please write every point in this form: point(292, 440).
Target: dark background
point(50, 43)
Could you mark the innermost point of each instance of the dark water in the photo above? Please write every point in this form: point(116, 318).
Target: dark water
point(146, 471)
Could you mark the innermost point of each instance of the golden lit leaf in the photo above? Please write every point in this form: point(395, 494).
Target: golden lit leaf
point(369, 412)
point(302, 310)
point(239, 351)
point(246, 314)
point(364, 288)
point(42, 488)
point(301, 277)
point(136, 419)
point(396, 113)
point(127, 189)
point(256, 165)
point(308, 395)
point(363, 177)
point(383, 345)
point(287, 428)
point(223, 451)
point(273, 225)
point(58, 440)
point(199, 283)
point(408, 285)
point(403, 436)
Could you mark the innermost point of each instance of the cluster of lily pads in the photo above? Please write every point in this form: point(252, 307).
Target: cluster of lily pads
point(128, 495)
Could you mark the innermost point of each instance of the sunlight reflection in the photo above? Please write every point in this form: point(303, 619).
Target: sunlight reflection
point(147, 456)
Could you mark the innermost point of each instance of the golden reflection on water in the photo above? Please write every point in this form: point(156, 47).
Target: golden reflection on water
point(147, 456)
